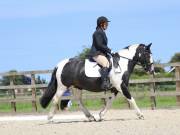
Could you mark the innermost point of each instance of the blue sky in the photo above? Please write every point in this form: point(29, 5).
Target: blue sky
point(37, 34)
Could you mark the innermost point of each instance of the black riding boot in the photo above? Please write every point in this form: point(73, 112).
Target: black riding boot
point(105, 79)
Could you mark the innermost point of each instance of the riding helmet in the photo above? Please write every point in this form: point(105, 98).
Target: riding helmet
point(101, 19)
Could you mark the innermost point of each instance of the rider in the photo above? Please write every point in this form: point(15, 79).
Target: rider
point(99, 50)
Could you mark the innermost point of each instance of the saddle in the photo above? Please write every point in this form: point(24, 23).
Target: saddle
point(92, 68)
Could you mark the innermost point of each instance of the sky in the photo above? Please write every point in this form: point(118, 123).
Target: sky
point(37, 34)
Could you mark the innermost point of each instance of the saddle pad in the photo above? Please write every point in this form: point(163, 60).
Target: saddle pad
point(91, 69)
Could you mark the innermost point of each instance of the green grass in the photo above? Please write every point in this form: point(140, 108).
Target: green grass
point(118, 103)
point(166, 102)
point(5, 107)
point(121, 103)
point(21, 107)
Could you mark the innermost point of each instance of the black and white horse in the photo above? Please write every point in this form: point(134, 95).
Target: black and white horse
point(70, 73)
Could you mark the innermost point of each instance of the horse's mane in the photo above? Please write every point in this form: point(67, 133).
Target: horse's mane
point(127, 47)
point(128, 51)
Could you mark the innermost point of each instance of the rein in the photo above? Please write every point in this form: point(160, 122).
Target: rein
point(129, 59)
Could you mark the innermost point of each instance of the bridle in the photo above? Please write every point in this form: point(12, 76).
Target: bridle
point(145, 63)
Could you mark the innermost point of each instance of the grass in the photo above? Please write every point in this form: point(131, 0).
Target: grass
point(166, 102)
point(121, 103)
point(118, 103)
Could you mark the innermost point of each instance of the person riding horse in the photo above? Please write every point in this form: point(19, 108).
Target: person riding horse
point(99, 50)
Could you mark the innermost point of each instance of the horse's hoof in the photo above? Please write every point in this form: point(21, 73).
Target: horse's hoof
point(140, 116)
point(101, 118)
point(50, 119)
point(91, 118)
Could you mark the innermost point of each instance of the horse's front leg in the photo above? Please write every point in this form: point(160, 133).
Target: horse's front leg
point(131, 100)
point(83, 108)
point(134, 105)
point(108, 104)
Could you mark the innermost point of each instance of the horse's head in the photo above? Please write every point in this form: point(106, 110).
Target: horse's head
point(144, 57)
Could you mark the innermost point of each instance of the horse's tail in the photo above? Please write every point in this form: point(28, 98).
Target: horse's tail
point(50, 91)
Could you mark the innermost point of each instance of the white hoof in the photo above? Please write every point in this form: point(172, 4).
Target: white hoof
point(91, 118)
point(140, 116)
point(101, 117)
point(50, 119)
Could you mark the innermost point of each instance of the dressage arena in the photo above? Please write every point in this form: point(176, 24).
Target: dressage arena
point(117, 122)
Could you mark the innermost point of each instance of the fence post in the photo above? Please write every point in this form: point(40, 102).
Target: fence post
point(34, 105)
point(13, 102)
point(152, 91)
point(177, 74)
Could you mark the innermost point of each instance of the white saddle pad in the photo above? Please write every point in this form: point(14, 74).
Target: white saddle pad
point(92, 69)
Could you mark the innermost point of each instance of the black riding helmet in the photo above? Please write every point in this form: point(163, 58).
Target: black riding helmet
point(102, 19)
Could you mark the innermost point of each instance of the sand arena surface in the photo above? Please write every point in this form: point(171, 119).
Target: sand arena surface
point(117, 122)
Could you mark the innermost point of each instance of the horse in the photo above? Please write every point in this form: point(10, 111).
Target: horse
point(71, 73)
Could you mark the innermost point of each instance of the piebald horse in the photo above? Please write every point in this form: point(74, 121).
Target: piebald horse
point(70, 73)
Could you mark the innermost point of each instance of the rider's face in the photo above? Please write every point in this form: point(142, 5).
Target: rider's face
point(104, 25)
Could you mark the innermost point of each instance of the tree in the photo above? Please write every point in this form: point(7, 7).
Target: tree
point(84, 53)
point(19, 79)
point(158, 69)
point(6, 79)
point(175, 58)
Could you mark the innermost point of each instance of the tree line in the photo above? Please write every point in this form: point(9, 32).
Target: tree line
point(20, 79)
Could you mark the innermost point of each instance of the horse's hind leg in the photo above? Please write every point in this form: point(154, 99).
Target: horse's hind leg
point(55, 102)
point(106, 107)
point(60, 89)
point(83, 108)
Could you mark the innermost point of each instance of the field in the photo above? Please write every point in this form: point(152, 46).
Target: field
point(124, 122)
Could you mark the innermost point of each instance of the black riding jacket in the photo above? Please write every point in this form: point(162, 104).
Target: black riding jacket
point(99, 45)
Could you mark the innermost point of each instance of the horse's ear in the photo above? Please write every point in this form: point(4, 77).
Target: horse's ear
point(148, 46)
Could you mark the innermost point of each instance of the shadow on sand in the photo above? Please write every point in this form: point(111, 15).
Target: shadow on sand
point(87, 121)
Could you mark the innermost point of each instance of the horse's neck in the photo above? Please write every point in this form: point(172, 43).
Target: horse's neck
point(131, 66)
point(128, 56)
